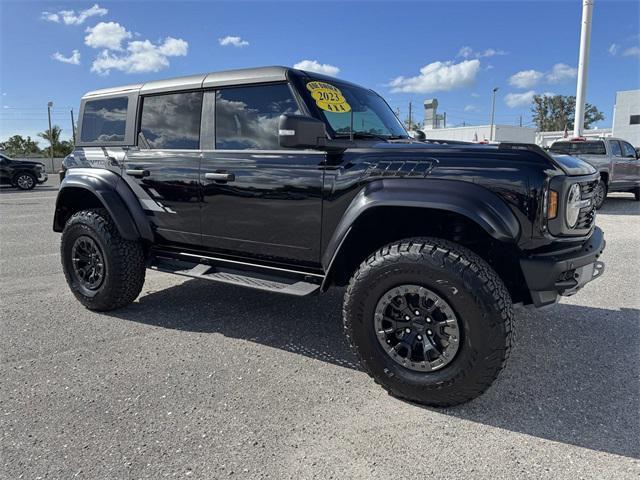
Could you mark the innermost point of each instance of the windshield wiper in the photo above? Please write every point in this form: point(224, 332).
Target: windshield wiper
point(363, 135)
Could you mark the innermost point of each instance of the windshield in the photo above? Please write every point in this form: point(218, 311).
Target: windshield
point(343, 106)
point(577, 148)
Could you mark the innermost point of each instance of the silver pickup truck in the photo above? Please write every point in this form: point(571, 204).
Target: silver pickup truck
point(616, 160)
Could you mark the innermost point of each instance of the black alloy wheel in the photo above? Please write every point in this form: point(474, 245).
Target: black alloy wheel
point(417, 328)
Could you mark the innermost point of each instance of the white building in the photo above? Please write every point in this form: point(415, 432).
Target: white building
point(545, 139)
point(626, 116)
point(480, 133)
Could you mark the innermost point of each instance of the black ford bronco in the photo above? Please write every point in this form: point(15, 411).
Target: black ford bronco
point(292, 182)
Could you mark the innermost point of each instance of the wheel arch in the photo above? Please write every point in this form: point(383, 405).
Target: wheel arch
point(465, 213)
point(90, 188)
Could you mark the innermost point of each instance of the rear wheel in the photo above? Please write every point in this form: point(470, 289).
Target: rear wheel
point(104, 270)
point(24, 181)
point(429, 320)
point(600, 194)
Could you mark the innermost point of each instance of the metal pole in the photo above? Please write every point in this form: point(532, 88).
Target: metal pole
point(493, 112)
point(410, 116)
point(444, 119)
point(583, 65)
point(49, 105)
point(73, 128)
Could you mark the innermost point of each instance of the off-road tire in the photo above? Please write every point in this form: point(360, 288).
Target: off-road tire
point(24, 181)
point(601, 184)
point(124, 261)
point(478, 297)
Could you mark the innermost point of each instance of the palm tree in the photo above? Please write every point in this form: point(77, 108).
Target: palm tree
point(60, 149)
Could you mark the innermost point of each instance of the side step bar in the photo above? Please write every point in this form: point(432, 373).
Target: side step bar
point(278, 283)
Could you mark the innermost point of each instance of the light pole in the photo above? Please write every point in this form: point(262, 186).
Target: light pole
point(49, 107)
point(493, 112)
point(583, 65)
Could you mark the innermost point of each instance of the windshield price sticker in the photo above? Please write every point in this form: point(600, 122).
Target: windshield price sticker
point(328, 97)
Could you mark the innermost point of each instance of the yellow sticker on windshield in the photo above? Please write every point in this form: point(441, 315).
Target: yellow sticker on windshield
point(328, 97)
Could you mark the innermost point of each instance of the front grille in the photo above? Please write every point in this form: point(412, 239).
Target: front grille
point(587, 216)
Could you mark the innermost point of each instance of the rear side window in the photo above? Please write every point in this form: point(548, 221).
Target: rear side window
point(172, 121)
point(579, 148)
point(616, 151)
point(104, 120)
point(247, 117)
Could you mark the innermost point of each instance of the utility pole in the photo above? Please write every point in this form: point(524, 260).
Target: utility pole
point(73, 128)
point(444, 120)
point(583, 65)
point(520, 120)
point(49, 107)
point(493, 111)
point(410, 120)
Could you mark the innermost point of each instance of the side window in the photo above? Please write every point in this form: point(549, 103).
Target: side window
point(172, 121)
point(247, 117)
point(616, 151)
point(104, 120)
point(627, 150)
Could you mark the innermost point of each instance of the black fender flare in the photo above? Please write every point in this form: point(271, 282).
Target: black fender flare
point(114, 194)
point(475, 202)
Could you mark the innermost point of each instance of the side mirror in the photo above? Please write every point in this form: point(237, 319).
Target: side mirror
point(299, 131)
point(418, 135)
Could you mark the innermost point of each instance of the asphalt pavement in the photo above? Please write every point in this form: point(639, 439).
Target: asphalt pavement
point(202, 380)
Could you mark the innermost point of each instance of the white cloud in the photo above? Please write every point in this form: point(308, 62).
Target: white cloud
point(475, 94)
point(315, 66)
point(73, 59)
point(438, 76)
point(470, 108)
point(109, 35)
point(70, 17)
point(613, 48)
point(468, 52)
point(561, 72)
point(514, 100)
point(232, 41)
point(632, 52)
point(140, 57)
point(525, 78)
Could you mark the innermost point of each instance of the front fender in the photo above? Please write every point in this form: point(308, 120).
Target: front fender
point(476, 203)
point(113, 193)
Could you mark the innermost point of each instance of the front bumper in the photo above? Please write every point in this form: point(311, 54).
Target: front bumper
point(43, 177)
point(551, 274)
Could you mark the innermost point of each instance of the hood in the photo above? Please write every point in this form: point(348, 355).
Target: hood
point(573, 165)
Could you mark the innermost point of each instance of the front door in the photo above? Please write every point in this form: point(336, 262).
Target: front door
point(164, 170)
point(630, 165)
point(259, 200)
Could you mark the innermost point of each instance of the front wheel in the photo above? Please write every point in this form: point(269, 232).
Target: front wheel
point(429, 320)
point(103, 270)
point(24, 181)
point(600, 194)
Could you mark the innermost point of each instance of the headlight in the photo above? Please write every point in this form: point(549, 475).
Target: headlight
point(574, 203)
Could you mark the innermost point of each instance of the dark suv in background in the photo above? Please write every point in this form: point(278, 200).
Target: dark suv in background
point(22, 174)
point(292, 182)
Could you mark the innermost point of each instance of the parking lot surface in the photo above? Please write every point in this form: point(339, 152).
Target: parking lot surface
point(203, 380)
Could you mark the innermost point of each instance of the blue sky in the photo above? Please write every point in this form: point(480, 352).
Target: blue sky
point(407, 51)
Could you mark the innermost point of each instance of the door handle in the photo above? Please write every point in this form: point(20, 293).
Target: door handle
point(220, 177)
point(138, 173)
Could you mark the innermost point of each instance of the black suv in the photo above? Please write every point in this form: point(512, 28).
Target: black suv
point(292, 182)
point(22, 174)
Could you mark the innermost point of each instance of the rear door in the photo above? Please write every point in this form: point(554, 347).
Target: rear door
point(4, 170)
point(258, 200)
point(164, 169)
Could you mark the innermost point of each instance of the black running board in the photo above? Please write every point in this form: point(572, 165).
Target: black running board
point(278, 283)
